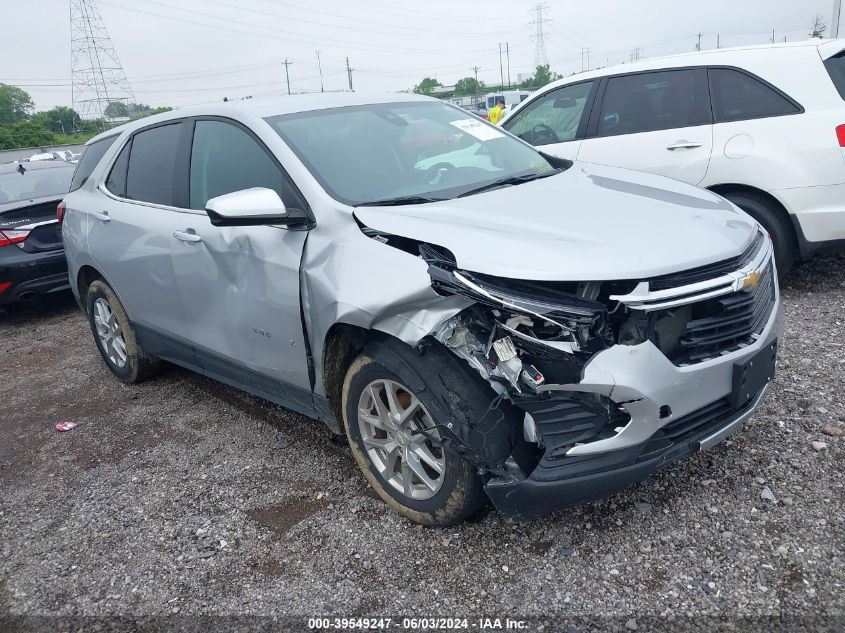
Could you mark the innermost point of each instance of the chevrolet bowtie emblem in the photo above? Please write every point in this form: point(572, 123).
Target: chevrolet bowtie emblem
point(750, 280)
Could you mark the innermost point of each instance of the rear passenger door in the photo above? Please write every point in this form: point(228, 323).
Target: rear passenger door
point(658, 121)
point(555, 121)
point(130, 232)
point(240, 285)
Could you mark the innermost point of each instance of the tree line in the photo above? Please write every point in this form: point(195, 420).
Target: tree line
point(469, 86)
point(22, 126)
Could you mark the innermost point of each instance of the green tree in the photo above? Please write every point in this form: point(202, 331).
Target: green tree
point(426, 86)
point(15, 104)
point(59, 119)
point(542, 76)
point(469, 86)
point(115, 110)
point(24, 134)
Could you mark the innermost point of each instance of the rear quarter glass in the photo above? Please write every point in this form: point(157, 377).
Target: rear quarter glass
point(91, 155)
point(836, 69)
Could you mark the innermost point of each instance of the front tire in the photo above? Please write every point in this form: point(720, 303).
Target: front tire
point(115, 337)
point(411, 471)
point(783, 236)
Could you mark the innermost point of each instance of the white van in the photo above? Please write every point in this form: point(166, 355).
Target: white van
point(512, 99)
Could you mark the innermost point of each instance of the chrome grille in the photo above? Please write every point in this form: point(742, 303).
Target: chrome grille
point(722, 324)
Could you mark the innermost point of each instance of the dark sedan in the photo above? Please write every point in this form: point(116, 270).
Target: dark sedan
point(32, 257)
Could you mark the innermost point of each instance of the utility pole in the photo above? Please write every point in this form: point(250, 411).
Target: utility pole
point(773, 36)
point(585, 51)
point(508, 55)
point(834, 23)
point(698, 46)
point(287, 63)
point(718, 41)
point(501, 70)
point(320, 67)
point(476, 69)
point(349, 75)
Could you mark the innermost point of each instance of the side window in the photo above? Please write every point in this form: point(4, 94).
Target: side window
point(116, 182)
point(737, 96)
point(91, 155)
point(646, 102)
point(151, 175)
point(552, 118)
point(224, 159)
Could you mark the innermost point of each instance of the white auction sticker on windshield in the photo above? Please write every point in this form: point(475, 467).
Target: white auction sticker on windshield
point(478, 129)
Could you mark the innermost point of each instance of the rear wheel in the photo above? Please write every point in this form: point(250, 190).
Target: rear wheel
point(115, 337)
point(396, 432)
point(763, 210)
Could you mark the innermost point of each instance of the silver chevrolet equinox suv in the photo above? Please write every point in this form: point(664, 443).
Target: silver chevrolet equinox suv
point(480, 319)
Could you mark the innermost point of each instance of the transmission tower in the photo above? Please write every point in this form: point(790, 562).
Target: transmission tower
point(538, 34)
point(97, 78)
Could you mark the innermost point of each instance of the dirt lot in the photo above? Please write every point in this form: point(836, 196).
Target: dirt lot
point(184, 496)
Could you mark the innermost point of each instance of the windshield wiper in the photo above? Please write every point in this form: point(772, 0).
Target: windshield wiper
point(389, 202)
point(511, 180)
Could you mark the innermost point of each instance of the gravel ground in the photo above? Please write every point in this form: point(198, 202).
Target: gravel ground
point(183, 496)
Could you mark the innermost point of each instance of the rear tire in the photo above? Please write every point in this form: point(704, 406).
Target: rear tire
point(435, 391)
point(115, 337)
point(782, 233)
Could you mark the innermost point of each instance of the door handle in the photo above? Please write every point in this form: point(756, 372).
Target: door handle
point(683, 145)
point(187, 237)
point(102, 216)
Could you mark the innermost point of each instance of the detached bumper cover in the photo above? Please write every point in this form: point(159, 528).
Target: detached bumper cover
point(578, 479)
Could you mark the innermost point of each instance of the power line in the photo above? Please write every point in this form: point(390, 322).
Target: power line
point(392, 27)
point(275, 33)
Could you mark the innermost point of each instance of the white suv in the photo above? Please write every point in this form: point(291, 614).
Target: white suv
point(764, 126)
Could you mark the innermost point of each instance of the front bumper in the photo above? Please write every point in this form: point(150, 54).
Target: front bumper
point(31, 274)
point(702, 410)
point(577, 480)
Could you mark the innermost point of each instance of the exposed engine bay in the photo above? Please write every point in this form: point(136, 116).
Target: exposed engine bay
point(530, 339)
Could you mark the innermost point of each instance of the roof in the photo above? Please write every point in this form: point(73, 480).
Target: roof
point(694, 58)
point(273, 106)
point(6, 168)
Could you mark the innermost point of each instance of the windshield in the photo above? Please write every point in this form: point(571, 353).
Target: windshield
point(34, 183)
point(417, 151)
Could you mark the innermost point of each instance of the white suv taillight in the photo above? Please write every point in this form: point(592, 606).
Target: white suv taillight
point(60, 211)
point(840, 134)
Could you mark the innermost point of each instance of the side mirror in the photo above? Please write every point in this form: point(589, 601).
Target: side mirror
point(248, 207)
point(564, 102)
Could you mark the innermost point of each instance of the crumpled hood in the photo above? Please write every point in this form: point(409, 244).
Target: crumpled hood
point(589, 223)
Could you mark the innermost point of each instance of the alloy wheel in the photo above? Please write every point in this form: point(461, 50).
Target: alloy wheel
point(390, 419)
point(110, 333)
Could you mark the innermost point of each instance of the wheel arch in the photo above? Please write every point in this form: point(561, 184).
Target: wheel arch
point(789, 220)
point(84, 278)
point(342, 344)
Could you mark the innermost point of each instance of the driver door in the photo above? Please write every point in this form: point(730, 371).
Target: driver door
point(240, 284)
point(555, 121)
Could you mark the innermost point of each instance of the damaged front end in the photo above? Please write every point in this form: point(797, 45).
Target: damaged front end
point(603, 382)
point(531, 341)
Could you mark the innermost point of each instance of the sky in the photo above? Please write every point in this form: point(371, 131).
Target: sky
point(185, 52)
